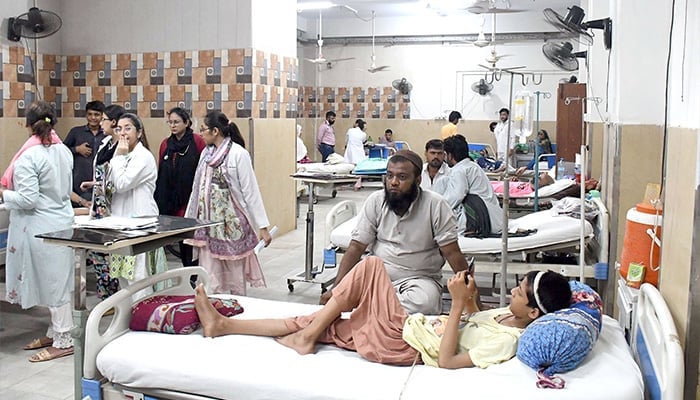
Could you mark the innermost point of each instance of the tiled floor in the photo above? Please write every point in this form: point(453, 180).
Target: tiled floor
point(20, 379)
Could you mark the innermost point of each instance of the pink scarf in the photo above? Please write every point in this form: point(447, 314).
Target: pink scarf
point(33, 140)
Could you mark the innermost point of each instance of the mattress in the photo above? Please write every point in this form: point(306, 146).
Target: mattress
point(545, 191)
point(552, 230)
point(341, 168)
point(246, 367)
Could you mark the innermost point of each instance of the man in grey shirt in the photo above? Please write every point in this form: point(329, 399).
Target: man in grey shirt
point(467, 178)
point(412, 230)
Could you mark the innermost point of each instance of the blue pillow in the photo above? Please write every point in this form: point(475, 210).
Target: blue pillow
point(559, 342)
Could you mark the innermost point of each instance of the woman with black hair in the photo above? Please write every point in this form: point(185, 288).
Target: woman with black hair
point(225, 189)
point(177, 163)
point(102, 190)
point(36, 188)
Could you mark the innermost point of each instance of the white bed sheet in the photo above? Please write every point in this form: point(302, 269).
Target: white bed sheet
point(341, 168)
point(246, 367)
point(552, 229)
point(545, 191)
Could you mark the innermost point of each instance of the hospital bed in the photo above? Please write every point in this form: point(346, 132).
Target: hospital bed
point(554, 233)
point(122, 364)
point(325, 169)
point(543, 197)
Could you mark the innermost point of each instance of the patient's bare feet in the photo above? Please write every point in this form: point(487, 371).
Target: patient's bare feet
point(299, 341)
point(210, 319)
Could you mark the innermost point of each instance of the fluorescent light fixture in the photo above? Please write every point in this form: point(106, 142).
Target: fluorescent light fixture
point(314, 5)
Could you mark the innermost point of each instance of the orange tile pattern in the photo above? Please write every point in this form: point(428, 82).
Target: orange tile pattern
point(243, 82)
point(354, 102)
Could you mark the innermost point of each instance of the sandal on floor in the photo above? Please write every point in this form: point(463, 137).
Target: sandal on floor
point(47, 354)
point(39, 343)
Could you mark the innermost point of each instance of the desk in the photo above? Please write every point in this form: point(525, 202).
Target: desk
point(309, 273)
point(169, 229)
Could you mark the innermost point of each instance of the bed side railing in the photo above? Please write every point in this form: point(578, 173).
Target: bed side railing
point(340, 213)
point(656, 346)
point(176, 282)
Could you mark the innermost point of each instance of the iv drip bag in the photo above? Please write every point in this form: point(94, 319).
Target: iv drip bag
point(522, 115)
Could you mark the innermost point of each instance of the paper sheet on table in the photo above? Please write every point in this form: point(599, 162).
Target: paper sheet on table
point(116, 223)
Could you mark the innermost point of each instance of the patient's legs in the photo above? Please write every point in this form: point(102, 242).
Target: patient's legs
point(375, 326)
point(215, 324)
point(363, 287)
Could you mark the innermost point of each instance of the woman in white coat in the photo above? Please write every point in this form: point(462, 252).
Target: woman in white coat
point(225, 189)
point(133, 177)
point(36, 189)
point(355, 139)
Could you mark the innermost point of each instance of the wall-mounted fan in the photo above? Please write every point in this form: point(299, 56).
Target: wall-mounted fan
point(562, 55)
point(482, 87)
point(573, 23)
point(402, 85)
point(34, 24)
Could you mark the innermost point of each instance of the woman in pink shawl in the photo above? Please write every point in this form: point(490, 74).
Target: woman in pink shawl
point(225, 190)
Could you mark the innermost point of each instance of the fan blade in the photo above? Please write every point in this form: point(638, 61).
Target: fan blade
point(316, 60)
point(341, 59)
point(378, 69)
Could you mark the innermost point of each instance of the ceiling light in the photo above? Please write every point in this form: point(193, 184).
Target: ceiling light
point(314, 5)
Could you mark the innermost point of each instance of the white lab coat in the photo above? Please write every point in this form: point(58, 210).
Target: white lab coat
point(134, 177)
point(355, 149)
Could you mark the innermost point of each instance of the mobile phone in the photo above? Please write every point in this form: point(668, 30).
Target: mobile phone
point(470, 270)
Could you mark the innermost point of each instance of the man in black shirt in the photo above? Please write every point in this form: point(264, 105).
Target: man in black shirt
point(83, 141)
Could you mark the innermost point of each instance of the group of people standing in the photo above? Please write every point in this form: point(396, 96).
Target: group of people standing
point(356, 140)
point(106, 169)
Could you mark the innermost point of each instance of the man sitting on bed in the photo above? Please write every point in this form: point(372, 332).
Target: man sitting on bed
point(469, 192)
point(412, 231)
point(435, 171)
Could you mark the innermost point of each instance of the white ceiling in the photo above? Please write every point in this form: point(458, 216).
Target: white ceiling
point(401, 8)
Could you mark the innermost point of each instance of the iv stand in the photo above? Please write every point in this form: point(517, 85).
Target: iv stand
point(525, 76)
point(582, 179)
point(544, 95)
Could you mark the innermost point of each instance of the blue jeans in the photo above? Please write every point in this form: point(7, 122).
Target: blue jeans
point(326, 150)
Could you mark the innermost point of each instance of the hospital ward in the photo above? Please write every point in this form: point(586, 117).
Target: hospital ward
point(349, 199)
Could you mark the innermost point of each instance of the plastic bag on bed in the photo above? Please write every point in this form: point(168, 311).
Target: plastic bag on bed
point(572, 206)
point(559, 342)
point(175, 314)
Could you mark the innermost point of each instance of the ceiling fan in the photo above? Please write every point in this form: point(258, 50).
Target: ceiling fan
point(320, 59)
point(373, 65)
point(494, 57)
point(491, 7)
point(481, 40)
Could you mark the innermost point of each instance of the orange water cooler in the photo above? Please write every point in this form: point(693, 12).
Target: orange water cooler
point(642, 244)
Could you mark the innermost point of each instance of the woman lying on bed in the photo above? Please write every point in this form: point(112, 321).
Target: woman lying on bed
point(381, 331)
